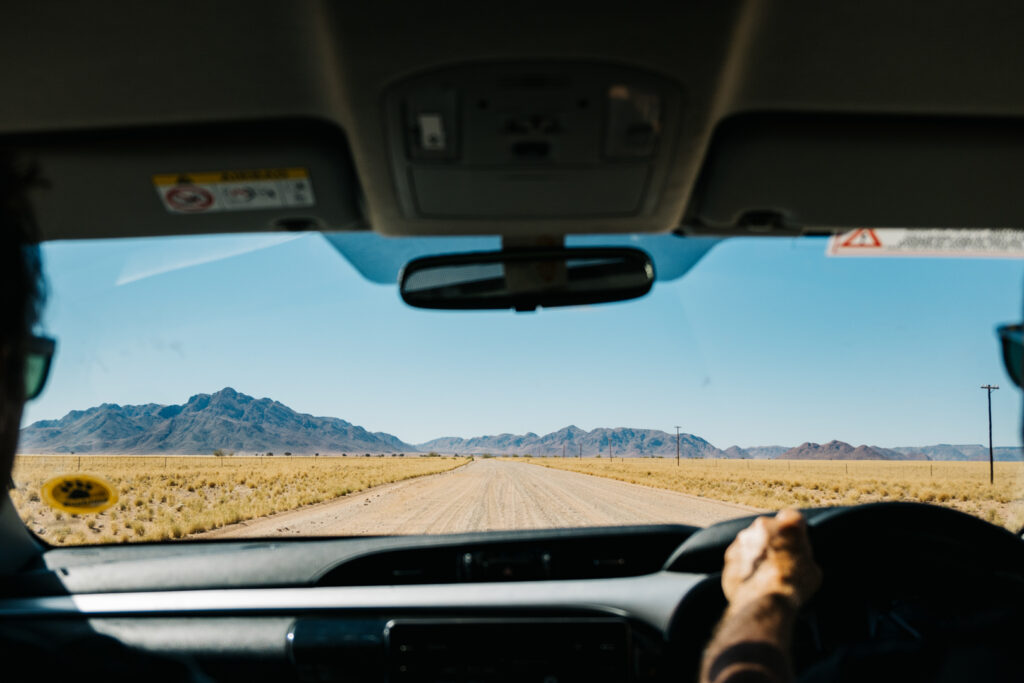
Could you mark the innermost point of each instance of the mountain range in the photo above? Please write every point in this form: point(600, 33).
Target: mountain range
point(755, 452)
point(232, 421)
point(624, 442)
point(840, 450)
point(226, 420)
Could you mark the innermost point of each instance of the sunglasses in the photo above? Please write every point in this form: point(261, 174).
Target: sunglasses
point(1012, 339)
point(37, 364)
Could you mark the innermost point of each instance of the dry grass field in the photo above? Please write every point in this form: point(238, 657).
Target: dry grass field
point(174, 496)
point(773, 484)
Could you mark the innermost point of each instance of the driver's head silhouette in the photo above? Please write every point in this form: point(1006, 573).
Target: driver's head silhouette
point(22, 285)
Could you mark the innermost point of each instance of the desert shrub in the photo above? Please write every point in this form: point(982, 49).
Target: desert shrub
point(203, 492)
point(774, 484)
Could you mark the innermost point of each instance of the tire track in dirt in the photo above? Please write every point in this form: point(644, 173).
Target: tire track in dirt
point(488, 495)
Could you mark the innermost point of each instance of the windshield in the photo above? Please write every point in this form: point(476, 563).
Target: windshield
point(262, 386)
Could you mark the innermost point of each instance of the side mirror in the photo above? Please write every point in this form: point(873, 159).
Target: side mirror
point(524, 279)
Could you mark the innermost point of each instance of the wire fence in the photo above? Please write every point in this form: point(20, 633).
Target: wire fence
point(81, 463)
point(862, 469)
point(903, 469)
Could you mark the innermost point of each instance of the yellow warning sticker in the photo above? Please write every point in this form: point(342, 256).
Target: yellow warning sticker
point(78, 493)
point(240, 190)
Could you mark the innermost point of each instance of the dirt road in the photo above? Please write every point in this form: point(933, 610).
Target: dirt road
point(487, 495)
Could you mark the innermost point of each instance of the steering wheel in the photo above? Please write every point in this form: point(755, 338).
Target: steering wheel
point(911, 592)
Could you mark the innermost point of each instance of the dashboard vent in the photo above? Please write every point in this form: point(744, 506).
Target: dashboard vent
point(582, 554)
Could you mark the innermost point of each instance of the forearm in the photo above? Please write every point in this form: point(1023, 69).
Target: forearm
point(751, 643)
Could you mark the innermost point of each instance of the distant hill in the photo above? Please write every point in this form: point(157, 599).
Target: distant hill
point(840, 450)
point(755, 452)
point(766, 452)
point(967, 452)
point(625, 442)
point(226, 419)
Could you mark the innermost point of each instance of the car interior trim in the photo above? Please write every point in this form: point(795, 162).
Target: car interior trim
point(652, 598)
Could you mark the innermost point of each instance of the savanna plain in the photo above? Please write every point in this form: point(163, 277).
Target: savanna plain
point(175, 497)
point(775, 484)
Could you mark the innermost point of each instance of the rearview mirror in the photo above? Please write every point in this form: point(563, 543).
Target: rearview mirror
point(524, 279)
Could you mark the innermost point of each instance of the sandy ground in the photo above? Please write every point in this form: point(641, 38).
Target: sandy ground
point(489, 495)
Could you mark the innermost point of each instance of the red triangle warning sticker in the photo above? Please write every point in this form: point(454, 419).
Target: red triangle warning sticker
point(862, 238)
point(927, 243)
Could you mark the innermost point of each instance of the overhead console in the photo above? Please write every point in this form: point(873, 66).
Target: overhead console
point(531, 142)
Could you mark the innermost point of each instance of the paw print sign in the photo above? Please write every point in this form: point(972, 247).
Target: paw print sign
point(79, 493)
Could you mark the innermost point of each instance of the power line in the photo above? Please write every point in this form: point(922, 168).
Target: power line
point(991, 467)
point(677, 445)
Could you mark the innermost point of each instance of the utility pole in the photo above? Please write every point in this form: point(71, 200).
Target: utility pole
point(991, 467)
point(677, 445)
point(581, 451)
point(563, 450)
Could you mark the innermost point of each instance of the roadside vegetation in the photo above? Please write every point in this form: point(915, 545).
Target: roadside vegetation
point(175, 496)
point(774, 484)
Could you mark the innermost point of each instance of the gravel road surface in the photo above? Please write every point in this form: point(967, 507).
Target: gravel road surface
point(489, 495)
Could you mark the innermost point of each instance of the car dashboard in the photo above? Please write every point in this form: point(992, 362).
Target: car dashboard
point(908, 588)
point(544, 605)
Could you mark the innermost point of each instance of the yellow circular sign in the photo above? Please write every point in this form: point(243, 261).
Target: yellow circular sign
point(79, 494)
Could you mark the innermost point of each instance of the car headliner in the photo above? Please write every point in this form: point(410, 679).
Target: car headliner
point(125, 65)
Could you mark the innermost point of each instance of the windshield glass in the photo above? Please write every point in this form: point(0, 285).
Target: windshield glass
point(261, 385)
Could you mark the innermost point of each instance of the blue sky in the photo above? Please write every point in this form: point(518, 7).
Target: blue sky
point(765, 341)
